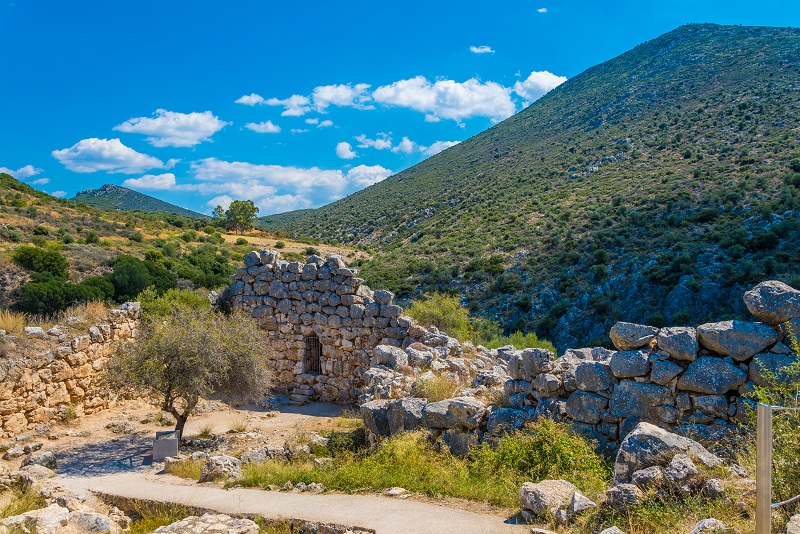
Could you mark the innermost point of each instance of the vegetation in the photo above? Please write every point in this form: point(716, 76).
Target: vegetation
point(191, 353)
point(20, 498)
point(115, 197)
point(240, 215)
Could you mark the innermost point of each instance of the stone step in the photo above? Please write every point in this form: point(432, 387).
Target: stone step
point(299, 398)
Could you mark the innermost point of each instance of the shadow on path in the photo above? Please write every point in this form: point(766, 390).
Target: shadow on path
point(120, 455)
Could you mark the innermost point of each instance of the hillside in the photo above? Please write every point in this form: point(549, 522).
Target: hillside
point(652, 187)
point(115, 197)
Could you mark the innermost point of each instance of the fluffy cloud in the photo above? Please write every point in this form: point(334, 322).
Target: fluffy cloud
point(344, 95)
point(294, 106)
point(152, 182)
point(251, 100)
point(481, 49)
point(263, 127)
point(110, 155)
point(405, 146)
point(325, 124)
point(299, 130)
point(382, 142)
point(364, 175)
point(59, 194)
point(345, 150)
point(170, 128)
point(448, 99)
point(437, 147)
point(23, 172)
point(300, 179)
point(542, 10)
point(222, 200)
point(41, 181)
point(537, 84)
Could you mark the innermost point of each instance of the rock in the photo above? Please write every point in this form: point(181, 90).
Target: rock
point(579, 503)
point(630, 363)
point(639, 399)
point(681, 472)
point(43, 458)
point(252, 258)
point(793, 526)
point(541, 531)
point(48, 520)
point(376, 416)
point(622, 497)
point(389, 356)
point(395, 492)
point(405, 414)
point(459, 412)
point(14, 452)
point(490, 377)
point(648, 445)
point(528, 363)
point(773, 302)
point(612, 530)
point(546, 384)
point(546, 496)
point(593, 376)
point(221, 466)
point(586, 407)
point(664, 371)
point(738, 339)
point(459, 441)
point(709, 525)
point(712, 376)
point(714, 405)
point(210, 524)
point(121, 427)
point(680, 342)
point(35, 331)
point(714, 490)
point(92, 521)
point(768, 369)
point(647, 478)
point(630, 336)
point(30, 474)
point(504, 420)
point(418, 357)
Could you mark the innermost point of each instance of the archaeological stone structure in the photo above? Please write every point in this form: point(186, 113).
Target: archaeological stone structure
point(50, 375)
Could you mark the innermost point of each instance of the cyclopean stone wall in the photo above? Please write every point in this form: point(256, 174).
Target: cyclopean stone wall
point(324, 298)
point(46, 376)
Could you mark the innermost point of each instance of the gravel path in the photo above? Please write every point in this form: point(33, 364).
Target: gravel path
point(383, 514)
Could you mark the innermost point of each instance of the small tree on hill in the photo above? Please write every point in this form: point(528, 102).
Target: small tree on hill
point(240, 215)
point(193, 353)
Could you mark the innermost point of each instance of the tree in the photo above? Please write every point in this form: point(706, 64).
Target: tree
point(41, 260)
point(240, 215)
point(192, 353)
point(219, 212)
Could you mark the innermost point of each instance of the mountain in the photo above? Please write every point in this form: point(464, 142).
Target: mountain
point(121, 198)
point(652, 187)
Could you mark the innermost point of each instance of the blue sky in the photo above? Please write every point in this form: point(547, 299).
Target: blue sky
point(291, 104)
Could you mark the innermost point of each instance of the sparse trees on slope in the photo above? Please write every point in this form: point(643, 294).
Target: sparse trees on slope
point(240, 215)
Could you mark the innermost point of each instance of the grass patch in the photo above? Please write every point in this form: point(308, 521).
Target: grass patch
point(12, 322)
point(438, 388)
point(149, 516)
point(239, 424)
point(206, 431)
point(187, 468)
point(411, 461)
point(19, 499)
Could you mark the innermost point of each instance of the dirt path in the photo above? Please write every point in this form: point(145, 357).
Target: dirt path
point(383, 514)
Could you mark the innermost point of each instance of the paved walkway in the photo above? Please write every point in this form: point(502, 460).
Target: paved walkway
point(383, 514)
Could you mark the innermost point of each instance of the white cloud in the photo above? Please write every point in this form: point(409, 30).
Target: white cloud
point(481, 49)
point(344, 95)
point(299, 130)
point(345, 150)
point(152, 182)
point(212, 169)
point(312, 121)
point(406, 146)
point(382, 142)
point(437, 147)
point(59, 194)
point(23, 172)
point(448, 99)
point(325, 124)
point(110, 155)
point(263, 127)
point(41, 181)
point(222, 200)
point(542, 10)
point(537, 84)
point(170, 128)
point(251, 100)
point(294, 106)
point(364, 175)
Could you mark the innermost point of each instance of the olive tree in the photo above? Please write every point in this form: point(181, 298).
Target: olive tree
point(193, 353)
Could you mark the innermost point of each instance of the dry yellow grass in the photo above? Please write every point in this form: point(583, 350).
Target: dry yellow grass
point(12, 322)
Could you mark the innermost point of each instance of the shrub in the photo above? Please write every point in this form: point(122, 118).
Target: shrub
point(11, 322)
point(155, 305)
point(92, 238)
point(41, 260)
point(280, 244)
point(241, 241)
point(41, 230)
point(444, 312)
point(437, 388)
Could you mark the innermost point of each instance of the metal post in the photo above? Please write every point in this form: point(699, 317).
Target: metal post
point(763, 469)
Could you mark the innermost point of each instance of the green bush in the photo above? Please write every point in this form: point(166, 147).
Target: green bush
point(280, 244)
point(41, 260)
point(155, 305)
point(241, 241)
point(444, 312)
point(92, 238)
point(132, 275)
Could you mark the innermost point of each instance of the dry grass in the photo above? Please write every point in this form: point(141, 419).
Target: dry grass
point(12, 322)
point(206, 431)
point(186, 468)
point(438, 388)
point(88, 312)
point(240, 424)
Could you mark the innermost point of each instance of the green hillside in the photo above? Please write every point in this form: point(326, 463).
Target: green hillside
point(652, 187)
point(115, 197)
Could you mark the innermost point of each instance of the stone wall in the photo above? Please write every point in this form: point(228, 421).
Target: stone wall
point(47, 376)
point(323, 299)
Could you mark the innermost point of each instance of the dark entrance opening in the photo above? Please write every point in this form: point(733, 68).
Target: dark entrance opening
point(312, 357)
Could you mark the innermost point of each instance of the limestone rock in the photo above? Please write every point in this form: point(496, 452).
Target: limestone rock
point(50, 520)
point(586, 407)
point(773, 302)
point(793, 526)
point(376, 416)
point(679, 342)
point(664, 371)
point(578, 504)
point(649, 477)
point(210, 524)
point(221, 466)
point(648, 445)
point(630, 336)
point(629, 363)
point(681, 472)
point(503, 420)
point(711, 375)
point(593, 376)
point(546, 496)
point(767, 368)
point(622, 497)
point(43, 458)
point(529, 363)
point(389, 356)
point(638, 399)
point(460, 441)
point(35, 331)
point(714, 490)
point(708, 526)
point(92, 521)
point(738, 339)
point(459, 412)
point(405, 414)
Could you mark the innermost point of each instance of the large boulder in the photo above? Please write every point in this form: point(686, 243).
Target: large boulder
point(630, 336)
point(50, 520)
point(738, 339)
point(664, 371)
point(707, 526)
point(459, 412)
point(630, 363)
point(92, 521)
point(793, 526)
point(504, 420)
point(390, 356)
point(545, 497)
point(768, 369)
point(773, 302)
point(222, 466)
point(648, 445)
point(405, 414)
point(586, 407)
point(639, 399)
point(526, 364)
point(712, 376)
point(593, 376)
point(680, 342)
point(43, 458)
point(622, 497)
point(376, 416)
point(210, 523)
